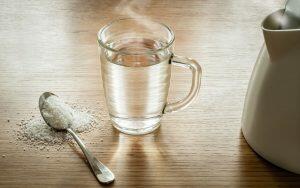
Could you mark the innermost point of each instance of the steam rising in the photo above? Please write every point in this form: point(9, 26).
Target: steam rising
point(143, 38)
point(131, 9)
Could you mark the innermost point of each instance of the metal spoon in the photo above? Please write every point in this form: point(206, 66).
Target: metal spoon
point(102, 173)
point(293, 7)
point(291, 15)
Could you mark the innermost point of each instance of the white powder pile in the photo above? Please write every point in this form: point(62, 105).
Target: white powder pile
point(36, 133)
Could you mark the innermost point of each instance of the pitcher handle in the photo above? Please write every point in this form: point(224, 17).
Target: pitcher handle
point(196, 82)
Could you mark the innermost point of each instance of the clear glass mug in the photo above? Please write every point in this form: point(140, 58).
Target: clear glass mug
point(136, 57)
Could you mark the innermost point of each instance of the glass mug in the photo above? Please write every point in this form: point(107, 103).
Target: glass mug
point(136, 57)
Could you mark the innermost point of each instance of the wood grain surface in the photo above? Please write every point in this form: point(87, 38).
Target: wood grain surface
point(51, 46)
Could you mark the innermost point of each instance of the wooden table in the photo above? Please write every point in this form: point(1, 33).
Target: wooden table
point(51, 46)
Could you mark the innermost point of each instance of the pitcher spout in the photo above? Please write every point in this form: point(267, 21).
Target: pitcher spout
point(281, 31)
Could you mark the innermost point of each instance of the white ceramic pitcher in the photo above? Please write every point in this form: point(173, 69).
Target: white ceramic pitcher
point(271, 117)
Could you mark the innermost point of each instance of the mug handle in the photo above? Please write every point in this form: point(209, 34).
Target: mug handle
point(196, 82)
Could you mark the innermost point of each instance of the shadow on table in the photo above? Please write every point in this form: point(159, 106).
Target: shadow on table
point(259, 172)
point(140, 160)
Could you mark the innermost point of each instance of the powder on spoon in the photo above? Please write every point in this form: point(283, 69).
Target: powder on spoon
point(57, 113)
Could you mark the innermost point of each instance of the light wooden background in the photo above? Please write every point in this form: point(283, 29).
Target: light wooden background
point(51, 46)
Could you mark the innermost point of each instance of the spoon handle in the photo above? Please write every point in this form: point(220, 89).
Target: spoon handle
point(103, 174)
